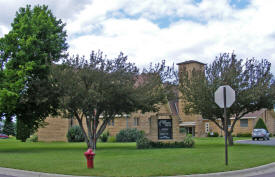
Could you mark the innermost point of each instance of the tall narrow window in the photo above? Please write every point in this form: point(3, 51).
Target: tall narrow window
point(111, 122)
point(136, 121)
point(127, 121)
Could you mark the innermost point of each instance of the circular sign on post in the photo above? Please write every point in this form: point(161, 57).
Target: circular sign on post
point(219, 97)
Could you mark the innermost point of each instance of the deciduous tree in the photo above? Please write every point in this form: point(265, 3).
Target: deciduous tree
point(99, 89)
point(251, 80)
point(36, 40)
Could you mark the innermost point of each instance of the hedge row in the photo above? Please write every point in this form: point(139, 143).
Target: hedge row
point(145, 143)
point(243, 135)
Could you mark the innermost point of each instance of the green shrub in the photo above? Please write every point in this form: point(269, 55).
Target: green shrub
point(144, 143)
point(104, 136)
point(34, 138)
point(244, 135)
point(75, 134)
point(260, 124)
point(213, 134)
point(188, 141)
point(111, 139)
point(129, 135)
point(167, 144)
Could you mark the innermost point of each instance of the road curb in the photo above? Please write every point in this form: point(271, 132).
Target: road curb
point(239, 173)
point(24, 173)
point(268, 168)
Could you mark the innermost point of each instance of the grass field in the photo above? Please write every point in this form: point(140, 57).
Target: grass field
point(123, 159)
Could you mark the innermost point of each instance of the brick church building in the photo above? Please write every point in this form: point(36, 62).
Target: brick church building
point(169, 124)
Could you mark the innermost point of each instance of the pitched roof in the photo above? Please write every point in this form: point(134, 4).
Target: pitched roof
point(190, 61)
point(254, 114)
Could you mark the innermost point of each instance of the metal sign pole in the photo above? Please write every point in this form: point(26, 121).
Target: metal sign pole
point(94, 130)
point(225, 97)
point(225, 127)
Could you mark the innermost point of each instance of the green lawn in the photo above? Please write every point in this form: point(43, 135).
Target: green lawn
point(123, 159)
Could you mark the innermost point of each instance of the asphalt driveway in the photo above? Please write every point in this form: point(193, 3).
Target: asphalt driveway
point(270, 142)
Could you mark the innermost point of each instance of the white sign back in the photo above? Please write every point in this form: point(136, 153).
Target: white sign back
point(219, 97)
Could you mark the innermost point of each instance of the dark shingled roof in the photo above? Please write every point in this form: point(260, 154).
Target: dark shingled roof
point(254, 114)
point(191, 61)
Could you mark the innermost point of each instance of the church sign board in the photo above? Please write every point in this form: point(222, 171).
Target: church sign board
point(165, 129)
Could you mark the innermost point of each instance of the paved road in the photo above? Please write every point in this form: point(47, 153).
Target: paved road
point(265, 175)
point(270, 142)
point(6, 176)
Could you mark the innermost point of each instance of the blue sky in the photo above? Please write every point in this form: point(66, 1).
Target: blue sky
point(153, 30)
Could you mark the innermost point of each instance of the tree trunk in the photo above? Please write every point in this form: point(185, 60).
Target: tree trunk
point(230, 139)
point(94, 144)
point(89, 145)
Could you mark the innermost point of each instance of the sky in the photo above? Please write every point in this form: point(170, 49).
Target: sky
point(154, 30)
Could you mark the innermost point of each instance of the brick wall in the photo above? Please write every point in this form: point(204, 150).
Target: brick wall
point(56, 130)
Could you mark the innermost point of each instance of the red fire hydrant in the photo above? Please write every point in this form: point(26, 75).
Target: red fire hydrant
point(90, 158)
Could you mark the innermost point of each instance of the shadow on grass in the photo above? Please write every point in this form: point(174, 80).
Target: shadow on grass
point(43, 147)
point(40, 150)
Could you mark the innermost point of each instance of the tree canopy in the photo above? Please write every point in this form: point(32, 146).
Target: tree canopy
point(251, 79)
point(101, 89)
point(36, 40)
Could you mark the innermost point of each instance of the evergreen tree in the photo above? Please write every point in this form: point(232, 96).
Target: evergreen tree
point(9, 127)
point(260, 124)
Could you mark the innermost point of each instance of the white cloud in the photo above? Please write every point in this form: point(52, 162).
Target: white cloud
point(94, 13)
point(201, 30)
point(249, 32)
point(97, 11)
point(64, 9)
point(3, 30)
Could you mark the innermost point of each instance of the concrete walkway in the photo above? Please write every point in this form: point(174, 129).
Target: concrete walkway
point(268, 169)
